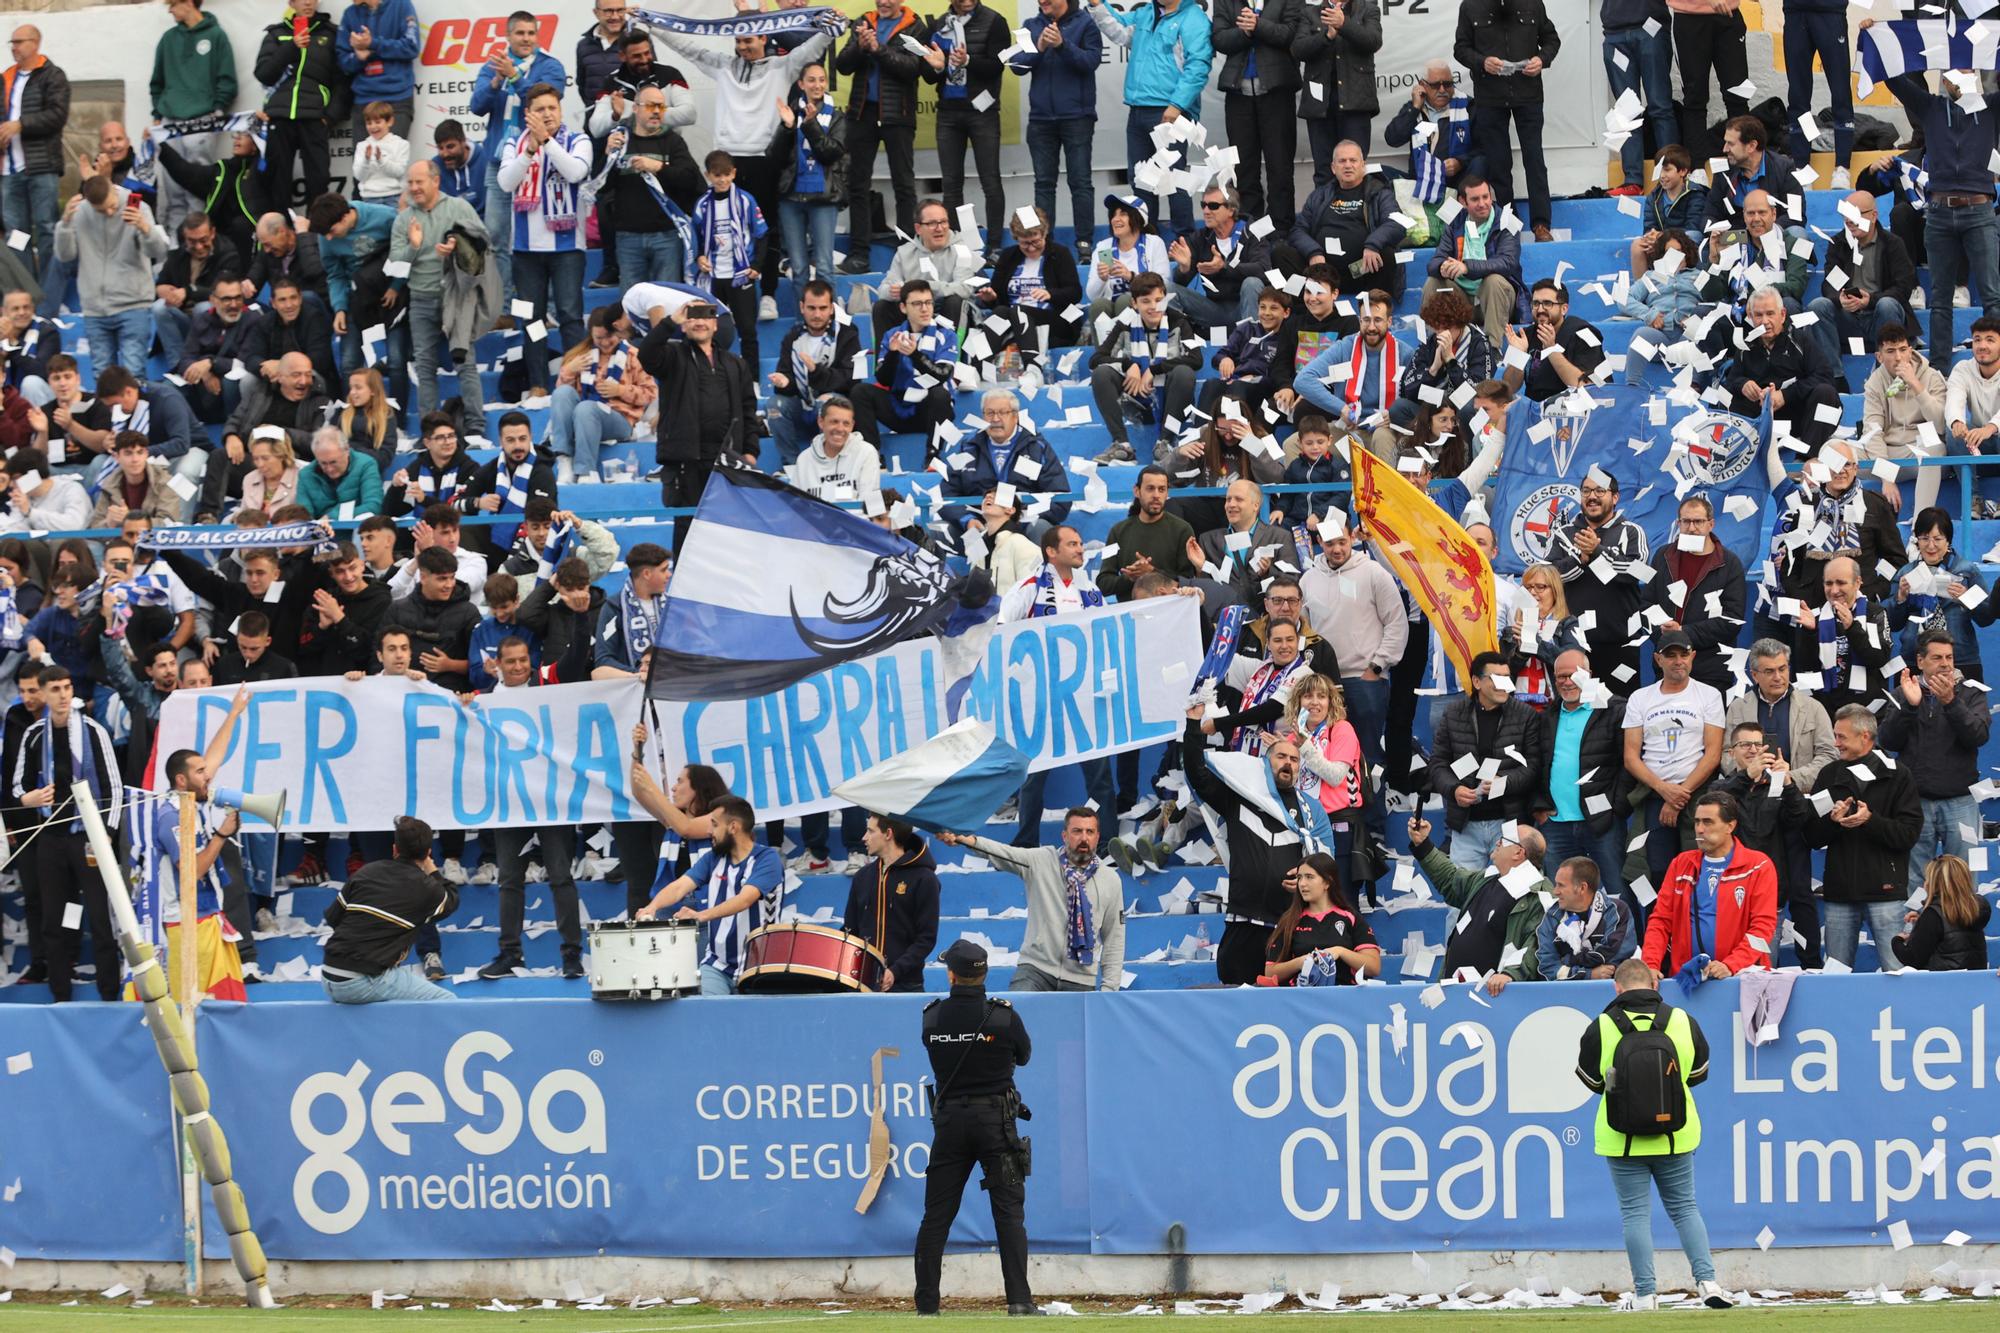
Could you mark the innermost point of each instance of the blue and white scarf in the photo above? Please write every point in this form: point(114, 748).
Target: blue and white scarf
point(317, 534)
point(818, 17)
point(639, 618)
point(544, 190)
point(513, 484)
point(149, 589)
point(612, 161)
point(13, 626)
point(746, 228)
point(1081, 936)
point(144, 153)
point(1828, 629)
point(86, 763)
point(1045, 593)
point(1427, 163)
point(437, 484)
point(1222, 647)
point(561, 544)
point(590, 383)
point(1264, 685)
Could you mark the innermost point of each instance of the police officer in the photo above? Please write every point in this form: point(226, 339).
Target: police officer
point(1645, 1057)
point(974, 1042)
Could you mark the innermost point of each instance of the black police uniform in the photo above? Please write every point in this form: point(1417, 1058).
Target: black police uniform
point(974, 1042)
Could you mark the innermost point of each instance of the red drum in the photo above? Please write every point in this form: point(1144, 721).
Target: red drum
point(792, 958)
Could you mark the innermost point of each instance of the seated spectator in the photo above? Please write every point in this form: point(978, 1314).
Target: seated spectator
point(49, 503)
point(1148, 539)
point(1036, 283)
point(368, 422)
point(1587, 932)
point(1358, 379)
point(1002, 551)
point(1869, 278)
point(837, 466)
point(1498, 924)
point(1322, 939)
point(1756, 255)
point(1972, 390)
point(292, 325)
point(1752, 168)
point(441, 469)
point(1230, 447)
point(1903, 394)
point(1242, 551)
point(1789, 371)
point(1820, 499)
point(1130, 249)
point(506, 483)
point(295, 406)
point(817, 357)
point(1437, 125)
point(1456, 352)
point(1146, 365)
point(273, 479)
point(1317, 464)
point(918, 353)
point(1949, 934)
point(231, 190)
point(1664, 301)
point(1350, 221)
point(1901, 179)
point(1218, 271)
point(339, 477)
point(218, 353)
point(1718, 900)
point(141, 485)
point(82, 423)
point(1480, 254)
point(1008, 453)
point(185, 280)
point(1555, 353)
point(1868, 831)
point(26, 344)
point(1929, 593)
point(948, 268)
point(282, 249)
point(1845, 636)
point(1243, 362)
point(1675, 203)
point(602, 392)
point(157, 409)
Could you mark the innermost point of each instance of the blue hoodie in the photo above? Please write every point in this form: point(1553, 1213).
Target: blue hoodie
point(1155, 76)
point(1063, 82)
point(467, 182)
point(501, 103)
point(389, 74)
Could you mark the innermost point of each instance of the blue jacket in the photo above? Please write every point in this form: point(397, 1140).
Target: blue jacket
point(341, 256)
point(1503, 257)
point(1064, 82)
point(972, 481)
point(467, 182)
point(389, 74)
point(1292, 509)
point(501, 104)
point(1957, 147)
point(1657, 213)
point(1678, 298)
point(1962, 623)
point(1611, 943)
point(1250, 348)
point(1171, 53)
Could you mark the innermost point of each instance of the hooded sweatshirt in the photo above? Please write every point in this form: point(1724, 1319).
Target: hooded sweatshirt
point(194, 71)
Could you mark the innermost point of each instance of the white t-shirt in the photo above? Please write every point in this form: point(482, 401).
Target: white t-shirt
point(1672, 725)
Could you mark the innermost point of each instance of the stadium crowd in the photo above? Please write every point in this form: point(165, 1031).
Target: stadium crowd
point(1649, 764)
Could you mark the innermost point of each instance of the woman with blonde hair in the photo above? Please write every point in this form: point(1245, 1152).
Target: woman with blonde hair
point(1534, 644)
point(273, 479)
point(366, 421)
point(1949, 935)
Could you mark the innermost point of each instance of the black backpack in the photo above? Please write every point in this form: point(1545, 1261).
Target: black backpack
point(1645, 1091)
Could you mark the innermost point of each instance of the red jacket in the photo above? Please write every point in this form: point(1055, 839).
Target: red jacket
point(1746, 903)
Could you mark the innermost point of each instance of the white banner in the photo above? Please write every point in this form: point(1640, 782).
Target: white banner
point(1058, 689)
point(559, 754)
point(458, 34)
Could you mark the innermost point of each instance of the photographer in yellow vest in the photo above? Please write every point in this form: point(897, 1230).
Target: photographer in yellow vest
point(1643, 1057)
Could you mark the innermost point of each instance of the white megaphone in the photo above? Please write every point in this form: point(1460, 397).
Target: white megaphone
point(270, 809)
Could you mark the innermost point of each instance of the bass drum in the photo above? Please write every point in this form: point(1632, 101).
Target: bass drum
point(644, 960)
point(796, 959)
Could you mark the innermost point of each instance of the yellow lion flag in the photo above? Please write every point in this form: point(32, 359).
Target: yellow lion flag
point(1427, 549)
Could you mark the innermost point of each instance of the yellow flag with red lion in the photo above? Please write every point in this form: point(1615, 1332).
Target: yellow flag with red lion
point(1447, 576)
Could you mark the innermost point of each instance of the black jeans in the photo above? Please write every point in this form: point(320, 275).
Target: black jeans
point(1489, 131)
point(1324, 134)
point(758, 176)
point(1265, 132)
point(1175, 388)
point(681, 485)
point(637, 845)
point(66, 877)
point(877, 408)
point(958, 125)
point(306, 143)
point(741, 303)
point(1399, 736)
point(968, 1130)
point(866, 133)
point(1800, 410)
point(1241, 953)
point(1705, 42)
point(1795, 884)
point(558, 854)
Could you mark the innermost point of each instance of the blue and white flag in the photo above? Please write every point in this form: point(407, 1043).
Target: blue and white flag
point(774, 585)
point(955, 780)
point(1659, 452)
point(1911, 46)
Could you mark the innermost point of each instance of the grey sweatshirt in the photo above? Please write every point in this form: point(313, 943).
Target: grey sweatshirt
point(426, 269)
point(114, 260)
point(1045, 946)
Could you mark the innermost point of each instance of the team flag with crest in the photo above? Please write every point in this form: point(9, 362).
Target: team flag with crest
point(773, 585)
point(1660, 452)
point(1446, 575)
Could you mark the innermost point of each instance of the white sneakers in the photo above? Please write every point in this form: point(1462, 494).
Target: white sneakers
point(768, 307)
point(1840, 180)
point(1639, 1304)
point(1711, 1293)
point(454, 873)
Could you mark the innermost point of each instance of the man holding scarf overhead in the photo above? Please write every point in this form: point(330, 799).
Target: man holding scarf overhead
point(505, 485)
point(65, 747)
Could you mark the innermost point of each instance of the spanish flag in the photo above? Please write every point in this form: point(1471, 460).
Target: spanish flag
point(1445, 573)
